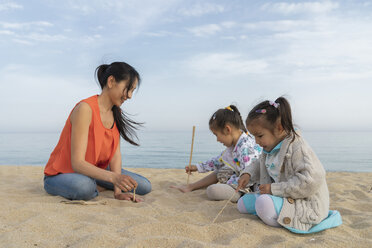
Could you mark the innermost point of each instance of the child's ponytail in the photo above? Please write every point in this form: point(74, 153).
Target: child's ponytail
point(270, 112)
point(285, 114)
point(241, 125)
point(230, 115)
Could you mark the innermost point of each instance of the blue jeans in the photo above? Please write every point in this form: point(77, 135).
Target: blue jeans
point(75, 186)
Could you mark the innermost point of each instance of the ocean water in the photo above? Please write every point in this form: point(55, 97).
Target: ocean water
point(338, 151)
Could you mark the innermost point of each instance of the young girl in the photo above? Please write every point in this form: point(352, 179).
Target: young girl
point(241, 150)
point(293, 188)
point(88, 152)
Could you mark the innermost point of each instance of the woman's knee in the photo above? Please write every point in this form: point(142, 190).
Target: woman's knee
point(71, 186)
point(144, 186)
point(85, 190)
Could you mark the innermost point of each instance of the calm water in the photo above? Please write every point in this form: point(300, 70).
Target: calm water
point(338, 151)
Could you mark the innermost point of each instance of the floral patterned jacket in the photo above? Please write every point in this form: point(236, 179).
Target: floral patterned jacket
point(233, 160)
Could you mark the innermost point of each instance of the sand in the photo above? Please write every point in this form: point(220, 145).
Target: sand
point(167, 218)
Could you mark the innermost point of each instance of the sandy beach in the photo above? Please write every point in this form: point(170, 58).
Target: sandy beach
point(167, 218)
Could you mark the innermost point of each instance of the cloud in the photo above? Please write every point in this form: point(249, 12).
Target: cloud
point(225, 64)
point(45, 37)
point(202, 9)
point(45, 93)
point(9, 6)
point(134, 15)
point(228, 24)
point(280, 25)
point(6, 32)
point(328, 46)
point(159, 34)
point(23, 42)
point(205, 30)
point(25, 25)
point(305, 7)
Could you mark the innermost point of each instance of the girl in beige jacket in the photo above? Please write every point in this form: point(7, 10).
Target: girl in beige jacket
point(293, 189)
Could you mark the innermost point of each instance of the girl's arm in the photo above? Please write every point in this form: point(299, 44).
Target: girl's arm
point(307, 177)
point(253, 170)
point(210, 165)
point(81, 117)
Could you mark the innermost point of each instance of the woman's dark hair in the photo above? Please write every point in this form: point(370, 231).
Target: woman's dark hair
point(121, 71)
point(229, 115)
point(270, 112)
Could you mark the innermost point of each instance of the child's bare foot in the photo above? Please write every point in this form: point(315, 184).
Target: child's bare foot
point(182, 188)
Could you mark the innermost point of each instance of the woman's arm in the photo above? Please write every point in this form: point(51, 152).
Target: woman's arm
point(81, 117)
point(115, 167)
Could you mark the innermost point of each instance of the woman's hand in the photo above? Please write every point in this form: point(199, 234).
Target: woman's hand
point(191, 168)
point(265, 189)
point(124, 182)
point(243, 181)
point(127, 197)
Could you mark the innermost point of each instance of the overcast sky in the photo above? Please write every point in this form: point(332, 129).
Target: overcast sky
point(194, 57)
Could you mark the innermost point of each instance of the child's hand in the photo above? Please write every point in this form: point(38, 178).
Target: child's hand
point(265, 189)
point(243, 181)
point(191, 168)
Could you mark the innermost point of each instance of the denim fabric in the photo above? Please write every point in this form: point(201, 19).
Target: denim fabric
point(76, 186)
point(143, 188)
point(72, 186)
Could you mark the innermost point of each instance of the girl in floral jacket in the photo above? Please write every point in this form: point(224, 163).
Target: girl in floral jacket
point(227, 125)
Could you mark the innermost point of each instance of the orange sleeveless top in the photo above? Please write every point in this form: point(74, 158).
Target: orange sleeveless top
point(102, 144)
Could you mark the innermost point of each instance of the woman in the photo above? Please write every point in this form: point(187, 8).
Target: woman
point(87, 156)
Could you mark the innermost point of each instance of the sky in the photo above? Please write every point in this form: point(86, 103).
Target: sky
point(194, 57)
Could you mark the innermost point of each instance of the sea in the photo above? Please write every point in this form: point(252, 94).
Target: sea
point(337, 150)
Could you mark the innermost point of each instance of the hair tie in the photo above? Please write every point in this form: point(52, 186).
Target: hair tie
point(275, 104)
point(261, 111)
point(229, 108)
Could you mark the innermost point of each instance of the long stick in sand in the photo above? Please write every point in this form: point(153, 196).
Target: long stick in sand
point(192, 146)
point(223, 208)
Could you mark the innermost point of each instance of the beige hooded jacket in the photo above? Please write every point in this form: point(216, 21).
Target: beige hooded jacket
point(302, 184)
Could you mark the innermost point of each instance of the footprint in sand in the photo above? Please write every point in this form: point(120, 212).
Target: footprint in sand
point(271, 240)
point(360, 225)
point(223, 239)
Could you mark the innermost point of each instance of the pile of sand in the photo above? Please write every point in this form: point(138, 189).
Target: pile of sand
point(168, 218)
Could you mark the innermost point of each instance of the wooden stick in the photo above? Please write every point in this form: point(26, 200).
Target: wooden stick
point(134, 194)
point(192, 146)
point(223, 207)
point(81, 202)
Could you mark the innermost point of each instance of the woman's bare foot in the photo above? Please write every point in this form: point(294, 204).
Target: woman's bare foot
point(182, 188)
